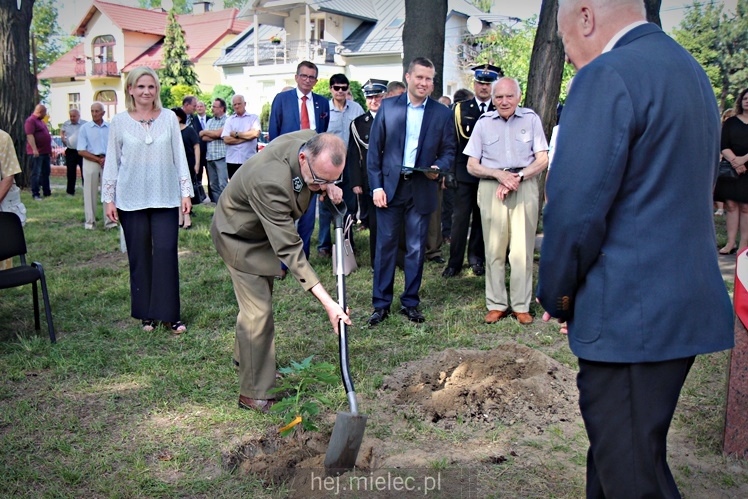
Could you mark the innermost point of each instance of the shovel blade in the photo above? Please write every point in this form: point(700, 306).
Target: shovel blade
point(345, 442)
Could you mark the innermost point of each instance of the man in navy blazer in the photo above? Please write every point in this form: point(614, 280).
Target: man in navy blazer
point(409, 131)
point(629, 252)
point(287, 115)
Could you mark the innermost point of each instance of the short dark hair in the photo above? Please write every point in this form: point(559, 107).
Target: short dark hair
point(181, 115)
point(221, 102)
point(339, 79)
point(463, 94)
point(309, 65)
point(188, 99)
point(420, 61)
point(739, 102)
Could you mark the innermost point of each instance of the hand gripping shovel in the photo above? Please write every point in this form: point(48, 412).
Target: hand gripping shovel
point(349, 426)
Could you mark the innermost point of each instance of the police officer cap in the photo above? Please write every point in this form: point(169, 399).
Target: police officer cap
point(486, 73)
point(375, 87)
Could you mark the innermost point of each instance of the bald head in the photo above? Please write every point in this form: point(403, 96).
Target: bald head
point(324, 158)
point(40, 111)
point(586, 26)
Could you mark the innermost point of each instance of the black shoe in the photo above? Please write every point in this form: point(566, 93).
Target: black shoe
point(414, 315)
point(478, 269)
point(437, 259)
point(378, 316)
point(450, 272)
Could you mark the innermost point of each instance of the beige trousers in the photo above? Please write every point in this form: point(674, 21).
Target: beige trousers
point(254, 347)
point(509, 224)
point(91, 182)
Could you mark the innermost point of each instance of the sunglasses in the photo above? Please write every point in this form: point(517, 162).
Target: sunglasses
point(340, 88)
point(318, 180)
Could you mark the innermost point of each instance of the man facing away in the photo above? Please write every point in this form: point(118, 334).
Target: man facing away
point(466, 213)
point(253, 227)
point(39, 145)
point(410, 131)
point(92, 142)
point(637, 314)
point(69, 135)
point(218, 175)
point(508, 151)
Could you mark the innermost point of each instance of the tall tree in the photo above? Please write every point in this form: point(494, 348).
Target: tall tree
point(177, 68)
point(719, 42)
point(423, 37)
point(546, 67)
point(16, 80)
point(653, 11)
point(50, 41)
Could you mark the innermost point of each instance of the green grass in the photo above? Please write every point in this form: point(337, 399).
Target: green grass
point(111, 411)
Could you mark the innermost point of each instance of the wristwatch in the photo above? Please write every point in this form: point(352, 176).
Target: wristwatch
point(521, 175)
point(236, 135)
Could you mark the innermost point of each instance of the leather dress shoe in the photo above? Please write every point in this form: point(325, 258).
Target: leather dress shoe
point(450, 272)
point(324, 253)
point(437, 259)
point(413, 314)
point(256, 404)
point(523, 317)
point(378, 316)
point(478, 269)
point(495, 316)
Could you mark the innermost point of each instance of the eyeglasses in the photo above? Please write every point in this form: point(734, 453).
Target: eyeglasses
point(340, 88)
point(321, 181)
point(307, 77)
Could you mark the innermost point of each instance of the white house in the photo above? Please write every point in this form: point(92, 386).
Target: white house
point(362, 39)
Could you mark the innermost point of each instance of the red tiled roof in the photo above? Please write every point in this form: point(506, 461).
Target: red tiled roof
point(202, 32)
point(126, 18)
point(64, 66)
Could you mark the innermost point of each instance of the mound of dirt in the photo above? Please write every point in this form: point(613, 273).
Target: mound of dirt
point(512, 383)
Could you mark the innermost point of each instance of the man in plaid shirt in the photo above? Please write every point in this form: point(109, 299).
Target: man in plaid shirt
point(218, 175)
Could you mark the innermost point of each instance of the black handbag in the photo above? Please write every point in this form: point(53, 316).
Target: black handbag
point(199, 191)
point(726, 170)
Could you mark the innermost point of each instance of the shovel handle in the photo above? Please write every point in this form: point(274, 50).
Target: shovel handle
point(338, 211)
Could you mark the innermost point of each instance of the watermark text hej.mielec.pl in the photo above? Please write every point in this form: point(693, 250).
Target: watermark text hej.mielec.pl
point(380, 483)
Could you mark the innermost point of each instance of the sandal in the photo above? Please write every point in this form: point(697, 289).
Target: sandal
point(178, 327)
point(148, 325)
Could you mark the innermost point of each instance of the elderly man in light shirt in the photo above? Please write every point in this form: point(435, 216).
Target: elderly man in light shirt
point(92, 143)
point(240, 135)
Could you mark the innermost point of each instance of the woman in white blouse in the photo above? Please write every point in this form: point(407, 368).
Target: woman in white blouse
point(145, 183)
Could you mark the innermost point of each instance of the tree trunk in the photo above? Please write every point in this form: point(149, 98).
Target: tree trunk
point(653, 11)
point(423, 36)
point(16, 80)
point(546, 68)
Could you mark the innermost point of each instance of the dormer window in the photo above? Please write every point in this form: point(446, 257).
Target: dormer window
point(103, 48)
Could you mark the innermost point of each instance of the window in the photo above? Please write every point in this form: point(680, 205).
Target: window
point(109, 99)
point(74, 101)
point(103, 48)
point(318, 29)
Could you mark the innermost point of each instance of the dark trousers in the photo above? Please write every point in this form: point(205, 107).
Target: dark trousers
point(232, 167)
point(448, 196)
point(371, 222)
point(324, 236)
point(401, 210)
point(151, 237)
point(73, 161)
point(465, 207)
point(627, 410)
point(40, 170)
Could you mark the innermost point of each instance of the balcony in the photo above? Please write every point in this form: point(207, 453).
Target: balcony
point(108, 68)
point(292, 52)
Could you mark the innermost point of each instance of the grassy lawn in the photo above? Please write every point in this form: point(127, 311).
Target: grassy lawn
point(111, 411)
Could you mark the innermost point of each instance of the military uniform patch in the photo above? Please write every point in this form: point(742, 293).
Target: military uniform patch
point(297, 184)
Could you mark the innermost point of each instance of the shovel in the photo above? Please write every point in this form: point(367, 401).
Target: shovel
point(348, 431)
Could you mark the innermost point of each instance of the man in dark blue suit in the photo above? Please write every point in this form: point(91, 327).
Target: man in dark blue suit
point(300, 109)
point(628, 254)
point(410, 131)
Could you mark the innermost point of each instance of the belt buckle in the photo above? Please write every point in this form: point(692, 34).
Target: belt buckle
point(406, 176)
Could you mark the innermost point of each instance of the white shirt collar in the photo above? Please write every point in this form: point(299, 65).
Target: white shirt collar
point(620, 35)
point(299, 95)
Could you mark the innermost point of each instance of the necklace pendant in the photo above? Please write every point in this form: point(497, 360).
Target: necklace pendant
point(148, 139)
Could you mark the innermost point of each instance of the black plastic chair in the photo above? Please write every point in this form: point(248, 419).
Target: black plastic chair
point(13, 243)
